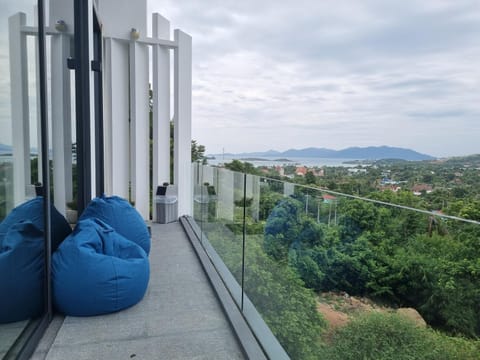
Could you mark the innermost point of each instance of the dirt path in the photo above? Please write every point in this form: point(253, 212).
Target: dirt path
point(339, 308)
point(333, 317)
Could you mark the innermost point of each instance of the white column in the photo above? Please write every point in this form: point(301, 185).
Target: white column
point(183, 121)
point(39, 120)
point(61, 122)
point(225, 194)
point(20, 106)
point(288, 189)
point(93, 165)
point(253, 192)
point(161, 105)
point(208, 175)
point(139, 127)
point(116, 118)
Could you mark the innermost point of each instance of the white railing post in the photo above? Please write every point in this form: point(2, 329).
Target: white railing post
point(288, 189)
point(161, 105)
point(139, 127)
point(116, 118)
point(226, 198)
point(183, 121)
point(39, 126)
point(61, 122)
point(20, 106)
point(253, 192)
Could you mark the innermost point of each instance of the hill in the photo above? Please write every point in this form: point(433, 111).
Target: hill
point(5, 149)
point(370, 153)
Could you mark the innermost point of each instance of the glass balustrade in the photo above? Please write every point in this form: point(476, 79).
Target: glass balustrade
point(336, 276)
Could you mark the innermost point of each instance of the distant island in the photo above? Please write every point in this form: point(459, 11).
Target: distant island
point(253, 159)
point(263, 159)
point(359, 153)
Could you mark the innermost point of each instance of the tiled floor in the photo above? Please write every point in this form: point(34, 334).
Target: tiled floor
point(179, 318)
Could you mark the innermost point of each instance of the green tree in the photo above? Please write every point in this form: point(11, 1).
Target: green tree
point(242, 167)
point(310, 179)
point(198, 152)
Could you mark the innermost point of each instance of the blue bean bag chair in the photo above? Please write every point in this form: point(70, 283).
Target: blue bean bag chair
point(32, 211)
point(98, 271)
point(120, 215)
point(21, 272)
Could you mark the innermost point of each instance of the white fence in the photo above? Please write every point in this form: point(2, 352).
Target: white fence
point(131, 62)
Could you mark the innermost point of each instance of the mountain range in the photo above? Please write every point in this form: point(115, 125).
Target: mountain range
point(357, 153)
point(8, 149)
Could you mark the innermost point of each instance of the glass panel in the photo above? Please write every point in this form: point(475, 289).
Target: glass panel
point(61, 114)
point(271, 282)
point(218, 208)
point(332, 273)
point(21, 231)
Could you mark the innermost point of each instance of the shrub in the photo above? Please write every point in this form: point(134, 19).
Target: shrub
point(383, 336)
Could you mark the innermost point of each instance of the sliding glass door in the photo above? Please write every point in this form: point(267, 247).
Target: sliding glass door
point(24, 178)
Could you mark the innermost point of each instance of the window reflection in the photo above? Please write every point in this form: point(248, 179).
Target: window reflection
point(22, 225)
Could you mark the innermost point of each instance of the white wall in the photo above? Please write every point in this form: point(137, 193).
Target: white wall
point(126, 102)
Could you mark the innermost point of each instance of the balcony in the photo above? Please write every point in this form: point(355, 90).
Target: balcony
point(253, 261)
point(180, 316)
point(272, 253)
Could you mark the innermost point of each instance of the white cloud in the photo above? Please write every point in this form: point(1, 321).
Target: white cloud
point(334, 73)
point(270, 74)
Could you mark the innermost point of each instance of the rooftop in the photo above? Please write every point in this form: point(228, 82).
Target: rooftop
point(180, 316)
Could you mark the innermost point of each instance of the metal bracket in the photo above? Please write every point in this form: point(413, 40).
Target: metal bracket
point(71, 63)
point(96, 66)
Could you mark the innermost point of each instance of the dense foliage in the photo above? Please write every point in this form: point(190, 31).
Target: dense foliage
point(286, 305)
point(386, 253)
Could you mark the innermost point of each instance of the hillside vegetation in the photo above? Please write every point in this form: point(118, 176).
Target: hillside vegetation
point(304, 245)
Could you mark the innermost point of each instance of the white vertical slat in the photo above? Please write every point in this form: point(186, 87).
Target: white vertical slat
point(208, 175)
point(20, 106)
point(120, 16)
point(93, 165)
point(39, 126)
point(139, 127)
point(116, 118)
point(183, 121)
point(226, 200)
point(288, 189)
point(161, 104)
point(107, 116)
point(61, 122)
point(255, 195)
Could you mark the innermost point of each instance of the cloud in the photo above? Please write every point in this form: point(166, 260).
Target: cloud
point(333, 74)
point(341, 73)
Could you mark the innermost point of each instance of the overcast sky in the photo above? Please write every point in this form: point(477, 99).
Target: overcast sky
point(280, 74)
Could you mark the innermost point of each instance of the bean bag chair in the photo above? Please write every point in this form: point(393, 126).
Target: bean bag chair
point(120, 215)
point(21, 272)
point(32, 211)
point(98, 271)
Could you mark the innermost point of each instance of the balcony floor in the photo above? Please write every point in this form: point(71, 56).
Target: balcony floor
point(179, 317)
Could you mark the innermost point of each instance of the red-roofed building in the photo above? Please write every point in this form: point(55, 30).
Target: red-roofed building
point(301, 171)
point(327, 198)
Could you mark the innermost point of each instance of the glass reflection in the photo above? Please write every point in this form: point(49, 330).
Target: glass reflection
point(21, 214)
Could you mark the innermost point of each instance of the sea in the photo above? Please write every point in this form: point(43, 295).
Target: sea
point(275, 161)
